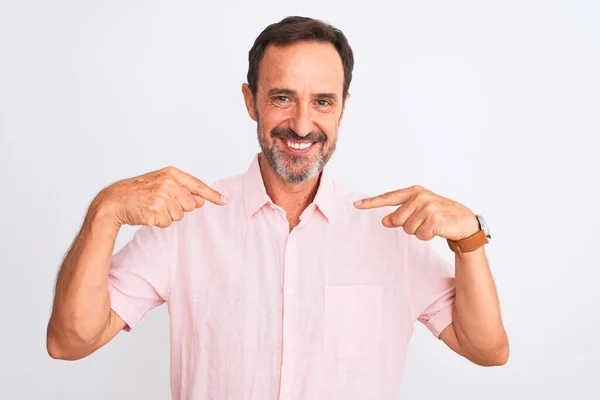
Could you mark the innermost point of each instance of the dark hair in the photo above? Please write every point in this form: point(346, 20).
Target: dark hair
point(295, 29)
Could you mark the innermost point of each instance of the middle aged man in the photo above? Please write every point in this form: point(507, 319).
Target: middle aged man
point(284, 284)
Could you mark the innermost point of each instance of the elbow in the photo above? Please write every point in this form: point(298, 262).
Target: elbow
point(58, 351)
point(53, 346)
point(54, 349)
point(495, 356)
point(497, 359)
point(62, 346)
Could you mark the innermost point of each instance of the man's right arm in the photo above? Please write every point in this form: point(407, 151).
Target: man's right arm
point(82, 320)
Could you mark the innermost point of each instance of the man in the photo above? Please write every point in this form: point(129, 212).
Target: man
point(280, 283)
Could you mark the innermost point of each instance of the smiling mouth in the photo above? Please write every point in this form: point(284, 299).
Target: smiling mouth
point(297, 147)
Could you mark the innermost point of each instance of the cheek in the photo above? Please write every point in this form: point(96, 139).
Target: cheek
point(271, 117)
point(328, 125)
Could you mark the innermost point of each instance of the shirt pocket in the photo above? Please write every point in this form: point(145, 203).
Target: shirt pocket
point(352, 320)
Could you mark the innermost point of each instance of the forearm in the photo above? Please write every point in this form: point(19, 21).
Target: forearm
point(81, 307)
point(477, 317)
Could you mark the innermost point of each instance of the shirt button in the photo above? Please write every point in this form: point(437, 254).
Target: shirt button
point(290, 292)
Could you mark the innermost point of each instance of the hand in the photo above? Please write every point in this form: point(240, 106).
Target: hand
point(157, 198)
point(424, 214)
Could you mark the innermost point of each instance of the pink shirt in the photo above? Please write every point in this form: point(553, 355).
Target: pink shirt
point(257, 312)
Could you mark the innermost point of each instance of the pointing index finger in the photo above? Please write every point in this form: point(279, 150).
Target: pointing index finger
point(393, 198)
point(199, 188)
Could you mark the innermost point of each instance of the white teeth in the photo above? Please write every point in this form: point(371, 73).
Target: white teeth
point(299, 146)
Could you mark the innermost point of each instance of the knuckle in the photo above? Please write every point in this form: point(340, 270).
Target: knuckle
point(169, 169)
point(420, 190)
point(390, 219)
point(177, 217)
point(164, 219)
point(157, 205)
point(178, 213)
point(153, 209)
point(441, 231)
point(429, 207)
point(422, 195)
point(436, 219)
point(166, 183)
point(402, 220)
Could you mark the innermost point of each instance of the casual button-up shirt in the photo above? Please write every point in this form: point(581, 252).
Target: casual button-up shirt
point(258, 312)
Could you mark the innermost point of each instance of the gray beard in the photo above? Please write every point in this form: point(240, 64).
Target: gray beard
point(282, 162)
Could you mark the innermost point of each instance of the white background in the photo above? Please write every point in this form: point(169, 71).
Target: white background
point(494, 104)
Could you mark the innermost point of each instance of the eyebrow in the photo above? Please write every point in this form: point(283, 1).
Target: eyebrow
point(280, 91)
point(290, 92)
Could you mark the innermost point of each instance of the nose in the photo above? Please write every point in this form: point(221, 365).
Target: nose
point(301, 121)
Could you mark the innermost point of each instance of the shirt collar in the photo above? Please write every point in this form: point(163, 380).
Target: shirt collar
point(256, 197)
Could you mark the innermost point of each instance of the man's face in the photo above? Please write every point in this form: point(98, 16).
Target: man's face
point(298, 107)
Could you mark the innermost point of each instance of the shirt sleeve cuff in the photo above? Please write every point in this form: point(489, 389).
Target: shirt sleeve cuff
point(120, 304)
point(440, 321)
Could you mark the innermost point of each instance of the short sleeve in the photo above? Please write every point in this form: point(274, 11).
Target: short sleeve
point(432, 285)
point(138, 278)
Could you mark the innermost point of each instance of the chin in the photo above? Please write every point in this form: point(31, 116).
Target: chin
point(297, 173)
point(294, 168)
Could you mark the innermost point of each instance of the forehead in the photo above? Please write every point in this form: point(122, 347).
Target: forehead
point(302, 66)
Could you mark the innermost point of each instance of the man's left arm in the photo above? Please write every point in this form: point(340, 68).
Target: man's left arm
point(477, 331)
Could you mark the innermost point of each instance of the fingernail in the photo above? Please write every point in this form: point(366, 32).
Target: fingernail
point(223, 199)
point(358, 202)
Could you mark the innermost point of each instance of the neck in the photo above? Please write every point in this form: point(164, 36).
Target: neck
point(292, 197)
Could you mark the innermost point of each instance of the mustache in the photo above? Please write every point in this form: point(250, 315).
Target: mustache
point(288, 133)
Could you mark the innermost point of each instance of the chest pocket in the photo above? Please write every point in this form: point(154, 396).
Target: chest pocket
point(352, 320)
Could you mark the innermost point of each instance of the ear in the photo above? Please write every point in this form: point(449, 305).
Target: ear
point(249, 100)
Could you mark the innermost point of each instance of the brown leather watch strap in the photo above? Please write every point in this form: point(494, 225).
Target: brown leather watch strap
point(468, 244)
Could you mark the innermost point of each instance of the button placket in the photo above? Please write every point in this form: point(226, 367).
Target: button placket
point(289, 299)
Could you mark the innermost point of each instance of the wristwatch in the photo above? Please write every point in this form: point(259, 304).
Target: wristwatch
point(473, 242)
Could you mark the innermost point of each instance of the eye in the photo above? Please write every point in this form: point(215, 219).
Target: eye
point(323, 103)
point(282, 99)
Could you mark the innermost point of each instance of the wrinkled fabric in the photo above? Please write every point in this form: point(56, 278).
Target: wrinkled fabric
point(257, 312)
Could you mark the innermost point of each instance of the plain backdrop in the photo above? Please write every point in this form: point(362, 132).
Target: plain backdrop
point(494, 104)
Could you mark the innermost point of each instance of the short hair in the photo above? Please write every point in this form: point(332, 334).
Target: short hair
point(296, 29)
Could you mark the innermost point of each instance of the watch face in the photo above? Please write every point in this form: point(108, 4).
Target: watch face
point(484, 226)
